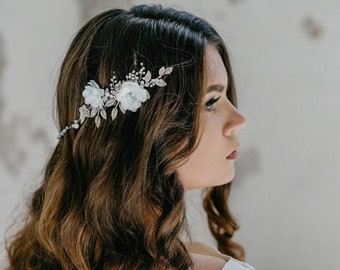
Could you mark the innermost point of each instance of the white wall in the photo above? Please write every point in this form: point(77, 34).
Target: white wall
point(287, 70)
point(33, 38)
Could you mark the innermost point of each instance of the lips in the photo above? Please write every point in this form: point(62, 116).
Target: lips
point(233, 155)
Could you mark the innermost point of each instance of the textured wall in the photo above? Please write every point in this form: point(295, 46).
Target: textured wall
point(33, 39)
point(286, 65)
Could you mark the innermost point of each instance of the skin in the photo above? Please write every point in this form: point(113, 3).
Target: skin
point(211, 163)
point(205, 257)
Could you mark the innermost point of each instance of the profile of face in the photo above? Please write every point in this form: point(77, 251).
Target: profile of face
point(212, 162)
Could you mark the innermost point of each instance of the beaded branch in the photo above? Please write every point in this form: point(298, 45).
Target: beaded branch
point(127, 95)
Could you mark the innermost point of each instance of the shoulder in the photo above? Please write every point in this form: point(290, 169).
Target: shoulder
point(200, 248)
point(205, 257)
point(201, 262)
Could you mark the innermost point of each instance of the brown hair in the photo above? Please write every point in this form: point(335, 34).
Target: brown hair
point(111, 197)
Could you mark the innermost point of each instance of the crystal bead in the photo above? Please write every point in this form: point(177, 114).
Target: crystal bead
point(75, 126)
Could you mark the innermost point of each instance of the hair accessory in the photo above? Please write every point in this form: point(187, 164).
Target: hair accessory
point(127, 95)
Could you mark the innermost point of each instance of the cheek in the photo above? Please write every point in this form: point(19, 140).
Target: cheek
point(207, 172)
point(207, 165)
point(190, 172)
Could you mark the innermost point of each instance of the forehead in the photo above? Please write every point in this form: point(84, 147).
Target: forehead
point(215, 71)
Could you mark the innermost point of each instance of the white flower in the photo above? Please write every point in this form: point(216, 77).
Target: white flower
point(93, 95)
point(125, 95)
point(131, 95)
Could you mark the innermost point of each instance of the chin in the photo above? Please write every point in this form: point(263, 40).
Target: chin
point(221, 182)
point(229, 178)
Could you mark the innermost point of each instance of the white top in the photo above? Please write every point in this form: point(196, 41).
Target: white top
point(234, 264)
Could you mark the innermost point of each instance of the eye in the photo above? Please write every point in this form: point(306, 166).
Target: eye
point(209, 105)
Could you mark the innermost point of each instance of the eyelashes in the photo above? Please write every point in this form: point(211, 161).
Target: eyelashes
point(209, 105)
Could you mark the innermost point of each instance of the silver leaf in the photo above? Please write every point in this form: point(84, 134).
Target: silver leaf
point(114, 113)
point(168, 70)
point(161, 71)
point(82, 118)
point(84, 112)
point(103, 113)
point(97, 121)
point(110, 102)
point(147, 77)
point(160, 82)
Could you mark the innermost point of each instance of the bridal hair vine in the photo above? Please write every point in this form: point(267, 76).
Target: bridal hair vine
point(127, 95)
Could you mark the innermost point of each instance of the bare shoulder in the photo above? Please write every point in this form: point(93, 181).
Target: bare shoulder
point(205, 257)
point(203, 262)
point(200, 248)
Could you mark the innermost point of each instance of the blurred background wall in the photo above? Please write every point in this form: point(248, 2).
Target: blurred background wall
point(286, 194)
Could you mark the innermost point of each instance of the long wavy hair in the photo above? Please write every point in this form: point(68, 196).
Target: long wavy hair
point(111, 197)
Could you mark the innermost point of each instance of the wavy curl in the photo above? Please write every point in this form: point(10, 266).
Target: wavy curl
point(111, 197)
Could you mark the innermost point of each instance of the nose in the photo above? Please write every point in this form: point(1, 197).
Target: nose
point(234, 123)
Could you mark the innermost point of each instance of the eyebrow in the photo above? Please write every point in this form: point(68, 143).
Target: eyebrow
point(215, 88)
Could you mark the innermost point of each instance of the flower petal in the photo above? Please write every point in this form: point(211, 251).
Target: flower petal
point(101, 92)
point(93, 83)
point(86, 92)
point(94, 111)
point(142, 95)
point(121, 107)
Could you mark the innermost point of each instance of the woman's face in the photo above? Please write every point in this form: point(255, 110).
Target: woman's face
point(212, 162)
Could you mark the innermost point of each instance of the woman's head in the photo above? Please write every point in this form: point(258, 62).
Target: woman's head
point(167, 125)
point(113, 195)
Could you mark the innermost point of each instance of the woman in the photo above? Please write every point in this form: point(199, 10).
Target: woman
point(146, 105)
